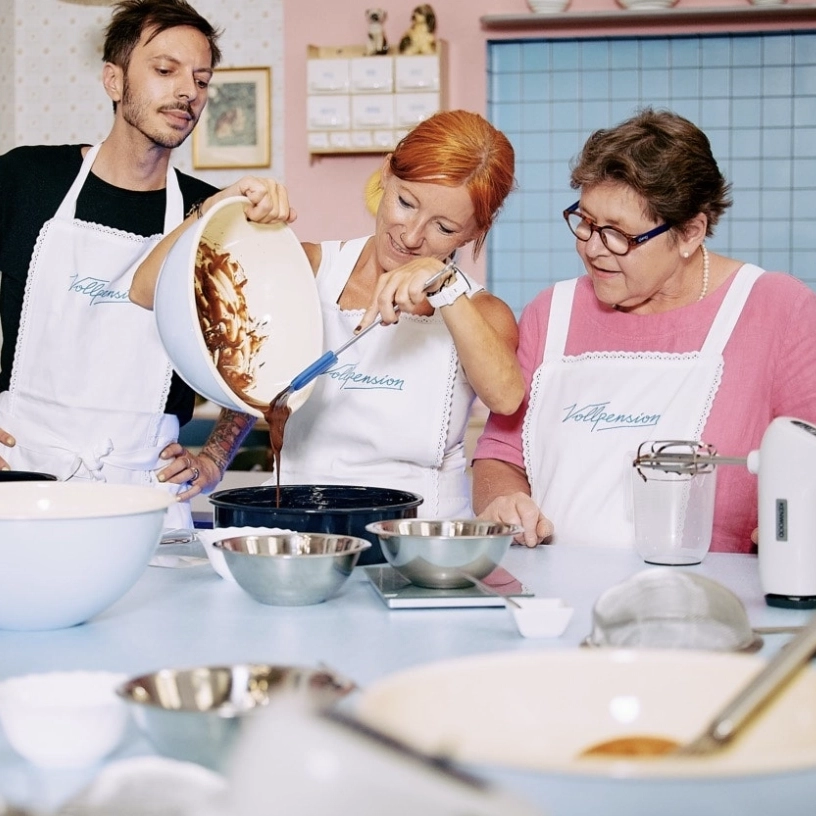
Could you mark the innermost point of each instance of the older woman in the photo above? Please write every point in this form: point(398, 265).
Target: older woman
point(662, 339)
point(393, 410)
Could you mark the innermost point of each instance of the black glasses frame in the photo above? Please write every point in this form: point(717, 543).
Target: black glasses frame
point(633, 240)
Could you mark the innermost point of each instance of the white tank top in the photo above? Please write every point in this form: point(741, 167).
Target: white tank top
point(392, 412)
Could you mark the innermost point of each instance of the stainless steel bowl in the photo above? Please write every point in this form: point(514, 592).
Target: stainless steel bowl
point(196, 714)
point(291, 569)
point(316, 508)
point(435, 554)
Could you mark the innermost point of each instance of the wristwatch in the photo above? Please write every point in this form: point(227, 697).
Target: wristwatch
point(455, 287)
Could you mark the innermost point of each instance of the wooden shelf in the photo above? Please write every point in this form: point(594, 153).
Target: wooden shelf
point(732, 17)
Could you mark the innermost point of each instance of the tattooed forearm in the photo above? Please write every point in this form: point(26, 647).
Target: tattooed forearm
point(226, 437)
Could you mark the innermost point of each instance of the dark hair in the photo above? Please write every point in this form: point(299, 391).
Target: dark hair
point(459, 147)
point(132, 17)
point(662, 157)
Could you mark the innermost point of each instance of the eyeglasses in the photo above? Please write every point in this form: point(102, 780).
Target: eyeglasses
point(616, 241)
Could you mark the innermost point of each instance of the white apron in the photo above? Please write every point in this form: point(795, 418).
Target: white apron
point(587, 415)
point(90, 376)
point(391, 412)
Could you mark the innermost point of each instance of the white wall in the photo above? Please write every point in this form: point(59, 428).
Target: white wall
point(51, 62)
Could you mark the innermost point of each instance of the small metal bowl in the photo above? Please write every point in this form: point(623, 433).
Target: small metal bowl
point(439, 554)
point(291, 569)
point(196, 714)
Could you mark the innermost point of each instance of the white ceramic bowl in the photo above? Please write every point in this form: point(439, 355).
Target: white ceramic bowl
point(280, 292)
point(540, 617)
point(70, 549)
point(63, 719)
point(538, 710)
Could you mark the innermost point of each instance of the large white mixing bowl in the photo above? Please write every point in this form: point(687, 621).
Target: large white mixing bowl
point(280, 292)
point(68, 550)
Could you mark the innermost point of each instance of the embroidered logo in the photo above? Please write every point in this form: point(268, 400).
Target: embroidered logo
point(97, 291)
point(598, 415)
point(350, 378)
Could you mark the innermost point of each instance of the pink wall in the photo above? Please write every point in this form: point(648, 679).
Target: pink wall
point(328, 190)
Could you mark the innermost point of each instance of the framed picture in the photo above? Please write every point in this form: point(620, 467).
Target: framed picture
point(235, 128)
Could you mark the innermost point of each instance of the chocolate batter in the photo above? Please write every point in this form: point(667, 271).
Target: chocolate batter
point(640, 746)
point(232, 336)
point(276, 416)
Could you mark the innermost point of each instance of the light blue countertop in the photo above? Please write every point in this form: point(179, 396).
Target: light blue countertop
point(187, 617)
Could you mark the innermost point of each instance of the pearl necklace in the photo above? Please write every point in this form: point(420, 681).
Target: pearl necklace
point(706, 270)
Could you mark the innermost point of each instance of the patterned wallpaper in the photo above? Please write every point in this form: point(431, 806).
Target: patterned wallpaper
point(7, 74)
point(51, 62)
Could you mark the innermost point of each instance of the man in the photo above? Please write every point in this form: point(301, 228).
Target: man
point(86, 390)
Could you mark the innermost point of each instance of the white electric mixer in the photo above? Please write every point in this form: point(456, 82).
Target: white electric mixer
point(785, 465)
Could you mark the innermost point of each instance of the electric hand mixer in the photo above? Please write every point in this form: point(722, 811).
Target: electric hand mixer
point(785, 465)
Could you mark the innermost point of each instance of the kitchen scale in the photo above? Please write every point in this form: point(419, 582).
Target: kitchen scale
point(397, 592)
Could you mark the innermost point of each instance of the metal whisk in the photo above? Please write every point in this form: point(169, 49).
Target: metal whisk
point(685, 458)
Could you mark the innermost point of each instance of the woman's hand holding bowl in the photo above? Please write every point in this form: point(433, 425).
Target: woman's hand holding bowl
point(519, 508)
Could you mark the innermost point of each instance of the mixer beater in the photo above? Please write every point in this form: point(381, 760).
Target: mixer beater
point(785, 465)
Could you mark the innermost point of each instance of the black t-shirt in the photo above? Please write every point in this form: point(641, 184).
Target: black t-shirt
point(33, 183)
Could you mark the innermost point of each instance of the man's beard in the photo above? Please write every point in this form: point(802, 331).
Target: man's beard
point(136, 113)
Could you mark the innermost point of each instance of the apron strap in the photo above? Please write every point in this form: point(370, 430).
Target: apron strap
point(173, 211)
point(174, 204)
point(67, 209)
point(716, 340)
point(341, 267)
point(558, 324)
point(731, 309)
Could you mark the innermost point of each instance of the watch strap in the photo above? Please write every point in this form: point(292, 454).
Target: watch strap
point(454, 288)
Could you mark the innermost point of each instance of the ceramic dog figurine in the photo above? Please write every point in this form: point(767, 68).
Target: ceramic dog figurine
point(377, 43)
point(420, 38)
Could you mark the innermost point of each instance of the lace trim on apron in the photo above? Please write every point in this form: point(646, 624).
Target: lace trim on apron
point(101, 228)
point(136, 239)
point(526, 436)
point(709, 402)
point(630, 355)
point(15, 367)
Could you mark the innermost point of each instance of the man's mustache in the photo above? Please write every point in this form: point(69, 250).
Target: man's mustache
point(181, 106)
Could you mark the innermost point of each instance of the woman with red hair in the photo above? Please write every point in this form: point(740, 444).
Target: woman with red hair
point(393, 411)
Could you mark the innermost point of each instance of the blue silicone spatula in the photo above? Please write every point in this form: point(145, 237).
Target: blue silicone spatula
point(322, 364)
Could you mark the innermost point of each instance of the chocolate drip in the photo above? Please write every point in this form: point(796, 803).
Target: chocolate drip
point(277, 415)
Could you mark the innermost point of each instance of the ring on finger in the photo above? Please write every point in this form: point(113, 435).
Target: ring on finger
point(187, 463)
point(196, 474)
